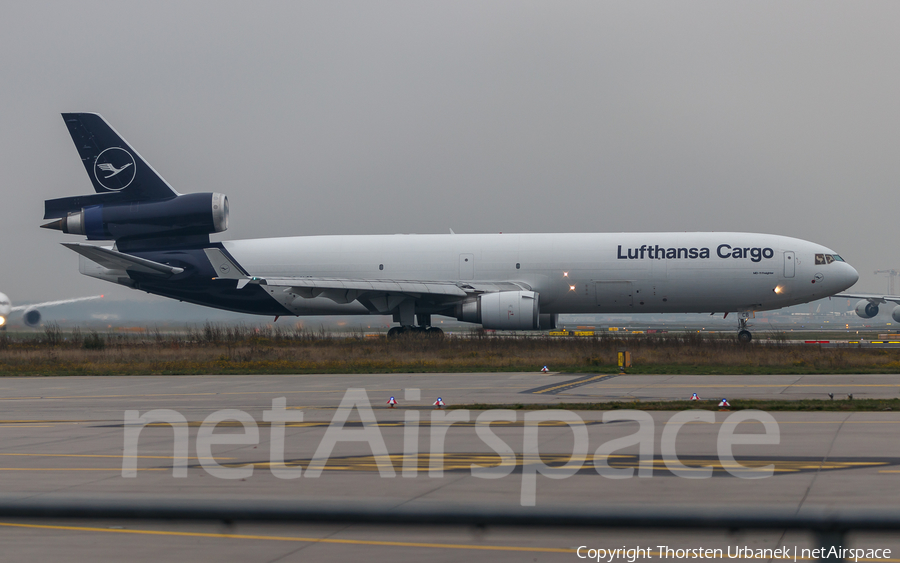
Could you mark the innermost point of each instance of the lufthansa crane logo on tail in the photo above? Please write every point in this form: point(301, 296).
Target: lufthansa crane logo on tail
point(114, 169)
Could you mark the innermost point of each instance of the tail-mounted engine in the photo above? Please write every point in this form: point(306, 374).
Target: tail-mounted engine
point(185, 215)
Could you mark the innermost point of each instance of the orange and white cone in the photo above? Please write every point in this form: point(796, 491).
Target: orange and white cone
point(392, 402)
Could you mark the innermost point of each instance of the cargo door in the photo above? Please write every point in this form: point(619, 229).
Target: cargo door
point(614, 296)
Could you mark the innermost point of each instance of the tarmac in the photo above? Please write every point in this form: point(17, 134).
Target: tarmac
point(66, 436)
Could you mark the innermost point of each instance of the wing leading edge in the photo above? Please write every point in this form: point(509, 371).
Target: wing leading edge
point(871, 297)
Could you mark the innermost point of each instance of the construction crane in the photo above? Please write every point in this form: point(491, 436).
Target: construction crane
point(892, 275)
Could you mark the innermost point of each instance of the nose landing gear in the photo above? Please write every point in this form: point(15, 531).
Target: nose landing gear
point(744, 335)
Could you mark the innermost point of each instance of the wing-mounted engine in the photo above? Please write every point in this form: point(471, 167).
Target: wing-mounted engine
point(895, 314)
point(504, 310)
point(183, 216)
point(31, 317)
point(866, 309)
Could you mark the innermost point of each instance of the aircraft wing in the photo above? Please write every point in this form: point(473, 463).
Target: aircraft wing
point(52, 303)
point(313, 287)
point(873, 297)
point(114, 260)
point(342, 290)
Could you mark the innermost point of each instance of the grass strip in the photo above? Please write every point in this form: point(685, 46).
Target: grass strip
point(199, 367)
point(244, 350)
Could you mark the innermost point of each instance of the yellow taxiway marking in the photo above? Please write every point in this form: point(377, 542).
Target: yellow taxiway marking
point(214, 394)
point(113, 456)
point(296, 539)
point(47, 421)
point(838, 421)
point(464, 461)
point(81, 469)
point(109, 396)
point(571, 383)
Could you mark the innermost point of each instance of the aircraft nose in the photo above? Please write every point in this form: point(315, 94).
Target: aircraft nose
point(849, 275)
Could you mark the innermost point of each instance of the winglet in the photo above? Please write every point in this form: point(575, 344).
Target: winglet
point(228, 269)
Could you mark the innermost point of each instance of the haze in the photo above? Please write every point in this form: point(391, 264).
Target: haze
point(388, 117)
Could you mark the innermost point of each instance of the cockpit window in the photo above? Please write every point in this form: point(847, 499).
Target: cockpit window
point(822, 259)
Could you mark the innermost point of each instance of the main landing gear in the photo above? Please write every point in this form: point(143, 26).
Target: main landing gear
point(744, 335)
point(424, 330)
point(424, 327)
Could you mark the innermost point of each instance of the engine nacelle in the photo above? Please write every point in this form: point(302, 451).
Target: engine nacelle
point(185, 215)
point(32, 317)
point(866, 309)
point(504, 310)
point(895, 314)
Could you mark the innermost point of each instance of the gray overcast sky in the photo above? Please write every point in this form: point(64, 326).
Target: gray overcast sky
point(381, 117)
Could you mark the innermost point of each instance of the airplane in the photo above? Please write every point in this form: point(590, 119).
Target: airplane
point(32, 314)
point(869, 303)
point(161, 245)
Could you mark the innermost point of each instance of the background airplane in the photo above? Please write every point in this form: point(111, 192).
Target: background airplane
point(32, 314)
point(868, 307)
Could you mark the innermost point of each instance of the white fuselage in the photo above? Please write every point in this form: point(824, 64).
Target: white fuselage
point(573, 273)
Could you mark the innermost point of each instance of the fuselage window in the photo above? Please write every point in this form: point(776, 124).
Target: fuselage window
point(820, 259)
point(518, 265)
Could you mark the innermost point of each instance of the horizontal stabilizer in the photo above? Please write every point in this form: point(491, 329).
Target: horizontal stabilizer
point(114, 260)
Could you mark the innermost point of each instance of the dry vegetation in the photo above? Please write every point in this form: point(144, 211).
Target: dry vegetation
point(216, 349)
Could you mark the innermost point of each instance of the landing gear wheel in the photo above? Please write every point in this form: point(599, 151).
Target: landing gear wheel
point(395, 332)
point(745, 336)
point(434, 331)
